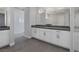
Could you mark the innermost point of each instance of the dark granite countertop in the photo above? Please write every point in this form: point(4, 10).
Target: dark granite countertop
point(4, 28)
point(64, 28)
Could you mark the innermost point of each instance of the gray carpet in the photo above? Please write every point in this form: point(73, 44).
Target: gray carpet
point(32, 45)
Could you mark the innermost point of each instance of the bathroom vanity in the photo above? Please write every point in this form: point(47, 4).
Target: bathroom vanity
point(55, 28)
point(57, 35)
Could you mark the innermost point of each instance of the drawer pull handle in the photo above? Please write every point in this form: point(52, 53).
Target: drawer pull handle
point(44, 33)
point(58, 36)
point(34, 31)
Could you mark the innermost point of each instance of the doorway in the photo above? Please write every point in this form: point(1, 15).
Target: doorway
point(18, 22)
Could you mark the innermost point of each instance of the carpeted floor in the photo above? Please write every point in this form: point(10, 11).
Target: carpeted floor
point(32, 45)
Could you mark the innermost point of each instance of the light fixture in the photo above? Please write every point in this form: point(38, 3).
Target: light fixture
point(41, 10)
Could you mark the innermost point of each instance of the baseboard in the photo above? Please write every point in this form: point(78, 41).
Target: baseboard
point(27, 36)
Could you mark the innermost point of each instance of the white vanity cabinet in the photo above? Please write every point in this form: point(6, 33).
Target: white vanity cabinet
point(57, 37)
point(4, 38)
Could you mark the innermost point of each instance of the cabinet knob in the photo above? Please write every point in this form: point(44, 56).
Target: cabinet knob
point(58, 36)
point(44, 33)
point(34, 31)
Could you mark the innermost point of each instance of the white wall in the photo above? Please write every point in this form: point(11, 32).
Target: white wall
point(54, 19)
point(10, 22)
point(2, 10)
point(58, 18)
point(41, 18)
point(17, 16)
point(35, 17)
point(27, 25)
point(77, 19)
point(18, 21)
point(12, 16)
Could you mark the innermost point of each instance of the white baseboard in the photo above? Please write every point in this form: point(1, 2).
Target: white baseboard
point(27, 36)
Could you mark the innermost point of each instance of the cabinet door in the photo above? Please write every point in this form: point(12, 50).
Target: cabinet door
point(46, 35)
point(52, 37)
point(64, 39)
point(39, 33)
point(35, 32)
point(76, 41)
point(4, 38)
point(42, 34)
